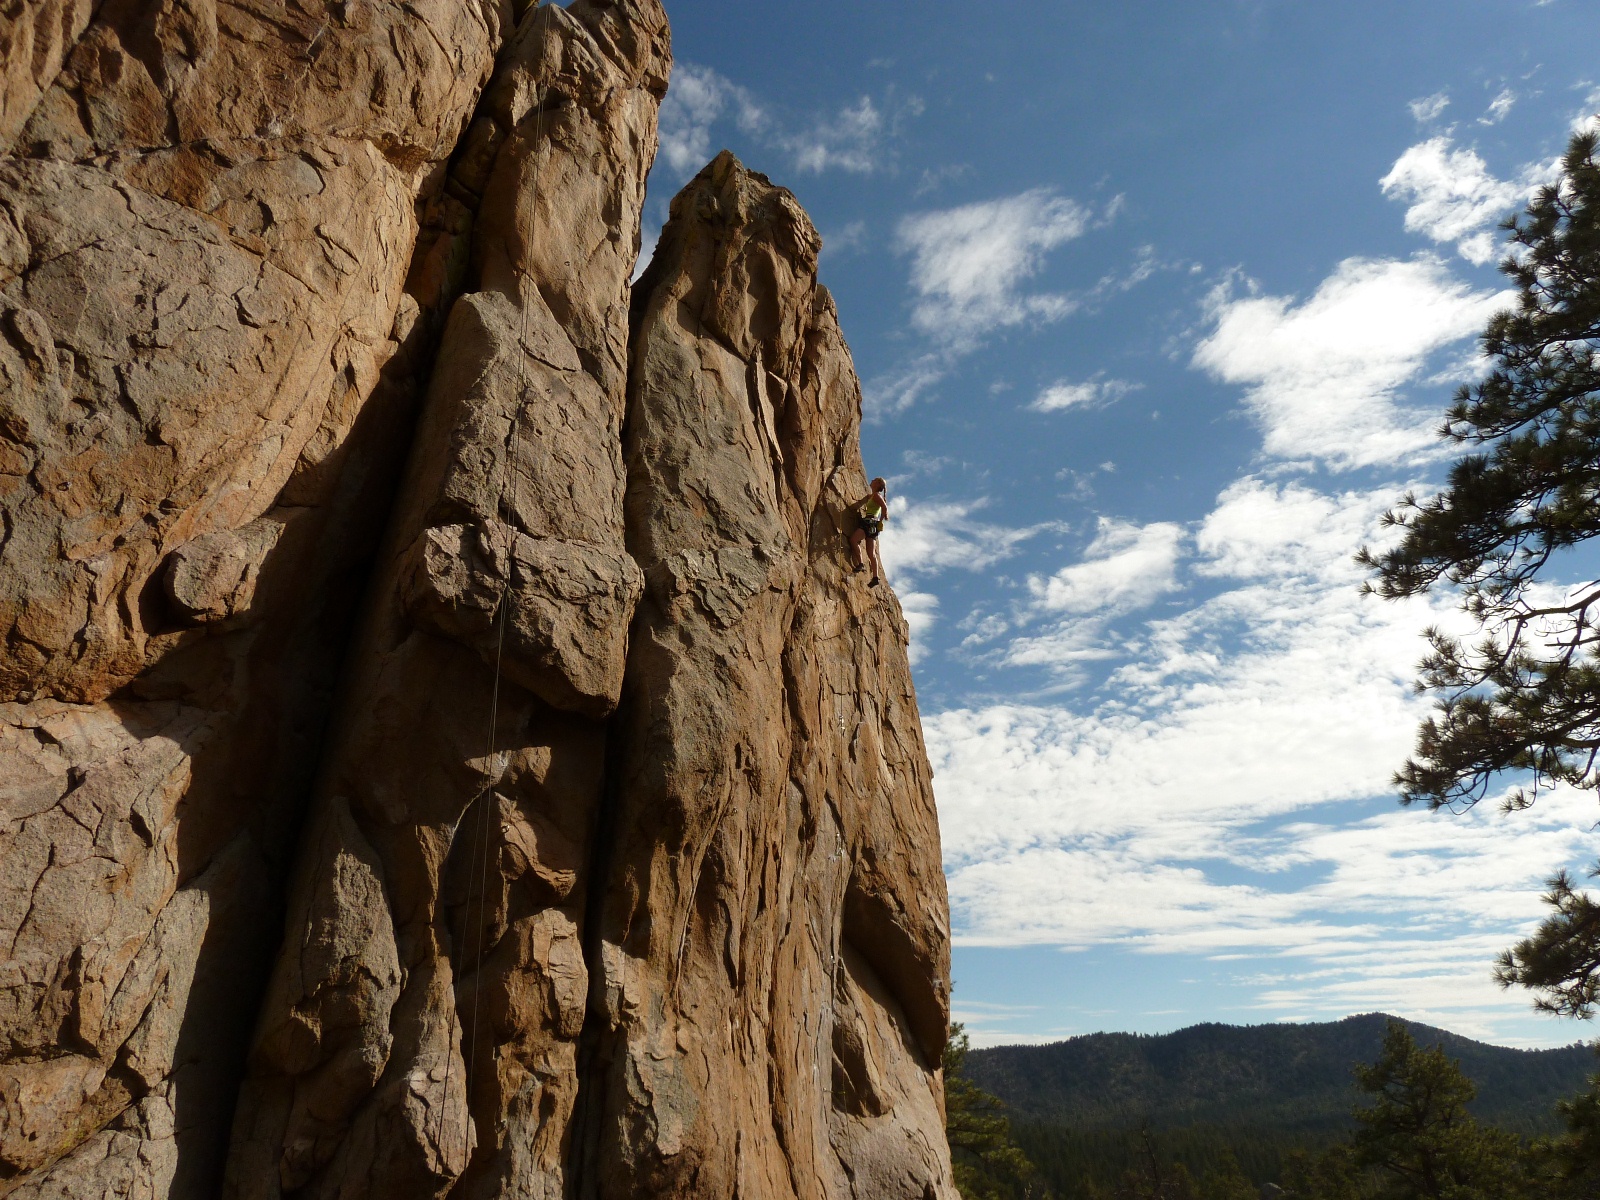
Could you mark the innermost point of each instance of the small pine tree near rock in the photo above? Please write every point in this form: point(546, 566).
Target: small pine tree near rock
point(988, 1164)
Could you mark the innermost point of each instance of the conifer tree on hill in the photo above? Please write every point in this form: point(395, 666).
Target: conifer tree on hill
point(1333, 1174)
point(1416, 1140)
point(1523, 701)
point(1418, 1133)
point(988, 1164)
point(1567, 1167)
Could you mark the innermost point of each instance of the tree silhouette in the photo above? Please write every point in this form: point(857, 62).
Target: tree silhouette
point(1523, 702)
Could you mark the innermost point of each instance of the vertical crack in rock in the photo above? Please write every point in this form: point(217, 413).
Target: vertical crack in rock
point(770, 997)
point(455, 1072)
point(225, 250)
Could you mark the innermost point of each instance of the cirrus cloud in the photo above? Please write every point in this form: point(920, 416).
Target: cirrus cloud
point(969, 264)
point(1094, 392)
point(1224, 793)
point(851, 139)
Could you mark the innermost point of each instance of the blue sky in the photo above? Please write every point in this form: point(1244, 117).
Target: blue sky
point(1156, 306)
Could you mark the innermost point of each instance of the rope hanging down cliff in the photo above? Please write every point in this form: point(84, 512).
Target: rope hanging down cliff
point(478, 862)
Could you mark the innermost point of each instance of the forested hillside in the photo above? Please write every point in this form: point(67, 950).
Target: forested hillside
point(1288, 1078)
point(1090, 1110)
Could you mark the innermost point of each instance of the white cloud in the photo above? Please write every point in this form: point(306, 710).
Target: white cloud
point(923, 539)
point(899, 389)
point(848, 140)
point(699, 99)
point(969, 264)
point(1224, 789)
point(1587, 118)
point(919, 462)
point(969, 268)
point(1287, 530)
point(921, 610)
point(1404, 913)
point(1428, 108)
point(1126, 567)
point(1498, 107)
point(1453, 197)
point(1206, 802)
point(1094, 392)
point(1323, 375)
point(933, 178)
point(851, 237)
point(984, 627)
point(1066, 650)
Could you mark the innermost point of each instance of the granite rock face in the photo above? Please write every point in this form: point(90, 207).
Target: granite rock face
point(613, 868)
point(34, 41)
point(771, 943)
point(216, 314)
point(459, 1074)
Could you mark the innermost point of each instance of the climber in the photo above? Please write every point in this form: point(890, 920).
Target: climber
point(872, 510)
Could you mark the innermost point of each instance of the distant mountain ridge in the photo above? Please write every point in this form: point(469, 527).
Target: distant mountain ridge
point(1290, 1078)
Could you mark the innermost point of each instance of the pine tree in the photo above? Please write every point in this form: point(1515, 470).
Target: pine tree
point(1332, 1175)
point(1569, 1165)
point(1226, 1181)
point(1561, 960)
point(1419, 1134)
point(988, 1163)
point(1524, 700)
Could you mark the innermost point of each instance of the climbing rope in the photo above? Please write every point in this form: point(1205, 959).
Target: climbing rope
point(478, 862)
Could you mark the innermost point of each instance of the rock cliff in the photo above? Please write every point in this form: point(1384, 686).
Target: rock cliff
point(442, 751)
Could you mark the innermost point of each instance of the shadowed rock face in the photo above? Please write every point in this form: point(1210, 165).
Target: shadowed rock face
point(616, 872)
point(216, 314)
point(445, 1062)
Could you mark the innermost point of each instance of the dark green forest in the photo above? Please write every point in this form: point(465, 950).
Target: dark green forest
point(1214, 1098)
point(1071, 1163)
point(1417, 1114)
point(1282, 1079)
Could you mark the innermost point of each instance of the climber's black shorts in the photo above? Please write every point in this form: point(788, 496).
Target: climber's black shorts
point(872, 527)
